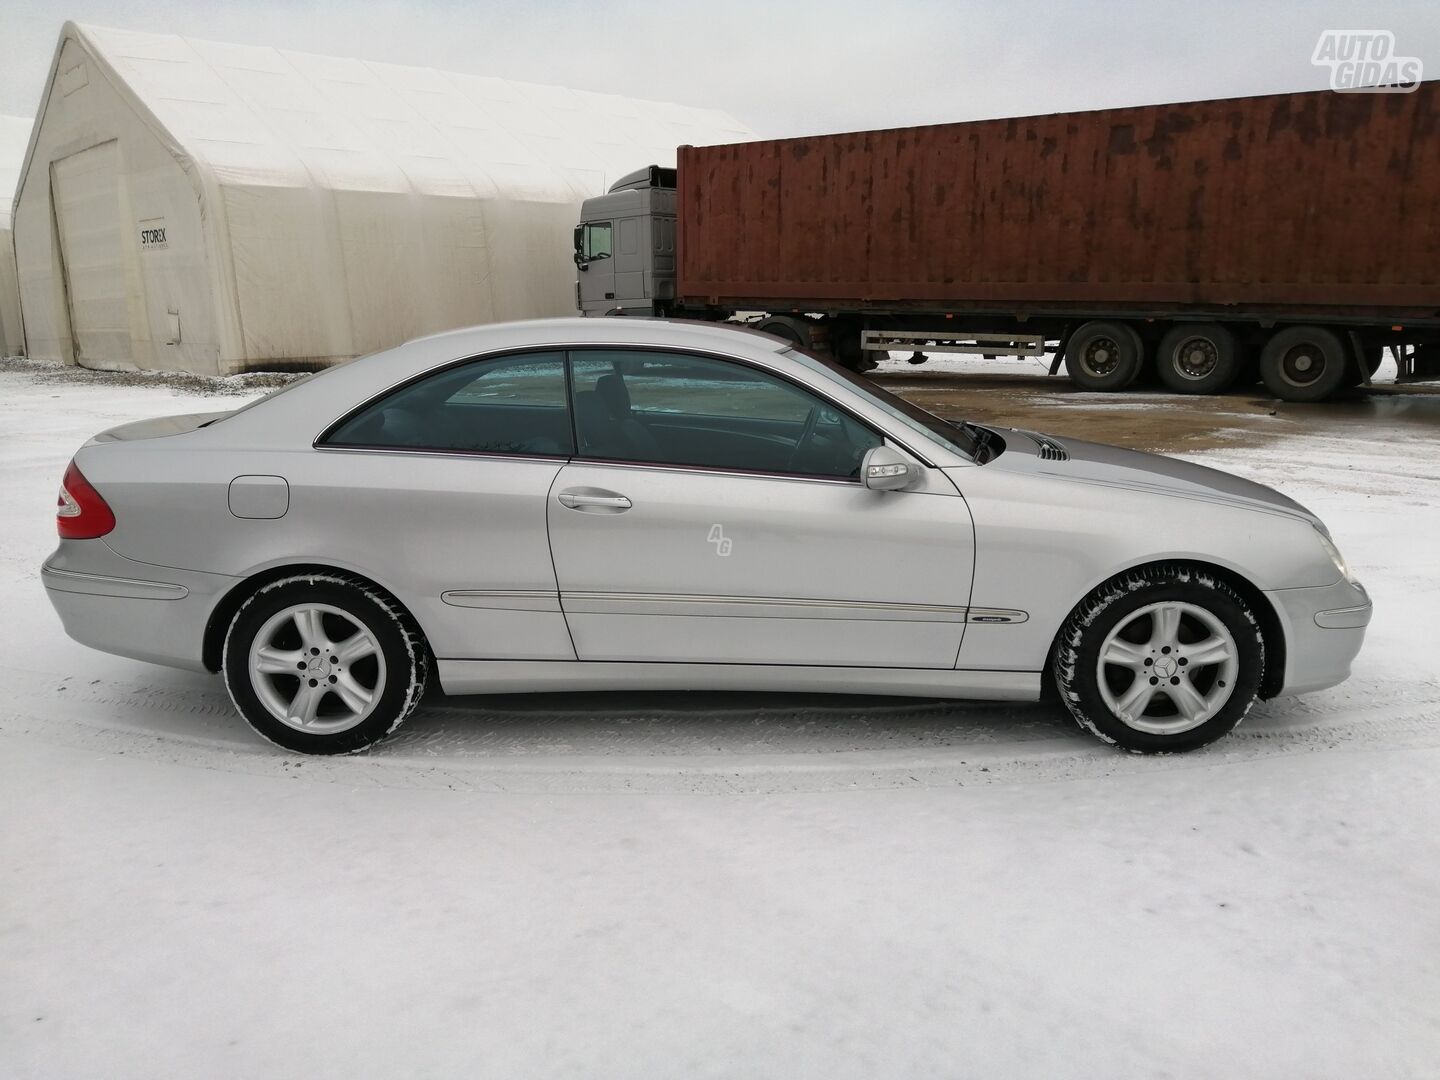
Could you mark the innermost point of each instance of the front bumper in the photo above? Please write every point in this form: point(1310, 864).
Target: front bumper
point(117, 605)
point(1324, 629)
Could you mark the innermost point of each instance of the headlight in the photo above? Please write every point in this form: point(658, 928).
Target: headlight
point(1335, 556)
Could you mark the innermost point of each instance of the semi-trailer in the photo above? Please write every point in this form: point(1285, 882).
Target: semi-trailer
point(1288, 237)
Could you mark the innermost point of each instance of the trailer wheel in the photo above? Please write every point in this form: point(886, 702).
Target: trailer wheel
point(1104, 356)
point(845, 343)
point(787, 328)
point(1304, 363)
point(1198, 358)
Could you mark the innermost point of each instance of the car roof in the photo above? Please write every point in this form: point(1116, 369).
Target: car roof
point(290, 416)
point(627, 330)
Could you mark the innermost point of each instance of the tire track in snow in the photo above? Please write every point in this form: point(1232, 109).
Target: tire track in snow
point(1039, 752)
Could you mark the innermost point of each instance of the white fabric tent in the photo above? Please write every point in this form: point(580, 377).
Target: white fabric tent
point(191, 205)
point(14, 137)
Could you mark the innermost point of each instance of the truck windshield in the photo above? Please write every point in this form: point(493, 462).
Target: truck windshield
point(959, 438)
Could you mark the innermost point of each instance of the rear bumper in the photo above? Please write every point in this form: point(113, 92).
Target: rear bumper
point(117, 605)
point(1324, 629)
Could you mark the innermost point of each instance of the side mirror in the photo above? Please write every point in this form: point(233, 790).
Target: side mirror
point(885, 469)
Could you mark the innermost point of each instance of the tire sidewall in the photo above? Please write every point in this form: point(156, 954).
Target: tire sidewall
point(1081, 692)
point(1127, 367)
point(401, 668)
point(1332, 350)
point(1218, 379)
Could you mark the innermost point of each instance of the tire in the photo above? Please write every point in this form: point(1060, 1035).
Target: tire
point(788, 329)
point(1304, 363)
point(845, 340)
point(1125, 620)
point(1104, 356)
point(358, 654)
point(1198, 358)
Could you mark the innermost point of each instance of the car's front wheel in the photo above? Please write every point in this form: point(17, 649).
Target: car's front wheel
point(1164, 658)
point(323, 664)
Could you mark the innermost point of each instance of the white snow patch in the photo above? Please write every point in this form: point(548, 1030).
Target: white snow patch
point(687, 885)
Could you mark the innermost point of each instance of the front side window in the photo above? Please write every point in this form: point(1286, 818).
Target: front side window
point(953, 436)
point(678, 409)
point(595, 241)
point(500, 405)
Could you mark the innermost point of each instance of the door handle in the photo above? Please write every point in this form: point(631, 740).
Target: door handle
point(577, 500)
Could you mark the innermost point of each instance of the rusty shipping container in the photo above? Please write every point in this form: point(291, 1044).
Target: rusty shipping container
point(1311, 202)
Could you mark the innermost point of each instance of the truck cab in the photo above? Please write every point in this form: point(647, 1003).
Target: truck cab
point(625, 246)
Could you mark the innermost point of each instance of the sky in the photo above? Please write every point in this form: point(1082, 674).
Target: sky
point(811, 66)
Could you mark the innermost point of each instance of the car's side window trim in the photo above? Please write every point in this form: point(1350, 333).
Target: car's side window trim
point(825, 400)
point(420, 451)
point(716, 470)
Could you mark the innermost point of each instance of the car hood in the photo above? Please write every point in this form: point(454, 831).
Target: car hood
point(1078, 461)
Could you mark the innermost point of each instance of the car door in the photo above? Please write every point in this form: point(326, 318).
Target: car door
point(714, 514)
point(439, 489)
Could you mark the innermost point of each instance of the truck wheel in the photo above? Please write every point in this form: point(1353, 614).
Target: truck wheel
point(1104, 356)
point(845, 341)
point(1198, 358)
point(795, 331)
point(1304, 363)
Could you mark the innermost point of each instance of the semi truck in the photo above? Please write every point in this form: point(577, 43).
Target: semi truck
point(1288, 237)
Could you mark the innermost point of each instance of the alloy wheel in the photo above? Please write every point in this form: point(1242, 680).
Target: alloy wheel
point(1166, 668)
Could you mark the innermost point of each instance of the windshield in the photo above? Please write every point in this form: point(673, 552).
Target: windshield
point(960, 439)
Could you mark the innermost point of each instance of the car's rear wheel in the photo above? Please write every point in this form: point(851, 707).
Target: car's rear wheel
point(1164, 658)
point(323, 664)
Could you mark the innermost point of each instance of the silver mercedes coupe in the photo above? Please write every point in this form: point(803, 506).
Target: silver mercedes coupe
point(610, 504)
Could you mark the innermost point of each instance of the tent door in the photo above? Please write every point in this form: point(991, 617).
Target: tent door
point(85, 194)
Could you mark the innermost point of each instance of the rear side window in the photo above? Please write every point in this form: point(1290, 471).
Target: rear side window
point(500, 405)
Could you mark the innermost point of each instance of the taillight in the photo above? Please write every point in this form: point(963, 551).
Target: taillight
point(82, 513)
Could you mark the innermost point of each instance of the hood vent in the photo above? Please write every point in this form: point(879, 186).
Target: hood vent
point(1050, 450)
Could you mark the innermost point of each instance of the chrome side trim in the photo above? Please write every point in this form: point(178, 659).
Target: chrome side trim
point(515, 676)
point(996, 615)
point(503, 599)
point(73, 581)
point(1347, 618)
point(769, 607)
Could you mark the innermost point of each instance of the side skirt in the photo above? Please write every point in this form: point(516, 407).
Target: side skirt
point(523, 676)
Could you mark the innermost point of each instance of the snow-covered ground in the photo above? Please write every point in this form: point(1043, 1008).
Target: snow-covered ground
point(687, 886)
